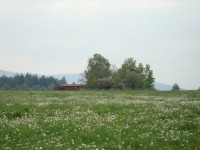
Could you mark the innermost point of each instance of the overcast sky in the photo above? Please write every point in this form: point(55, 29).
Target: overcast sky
point(58, 36)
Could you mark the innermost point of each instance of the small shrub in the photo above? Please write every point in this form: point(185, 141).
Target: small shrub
point(175, 87)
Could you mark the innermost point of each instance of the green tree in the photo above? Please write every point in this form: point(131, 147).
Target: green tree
point(175, 87)
point(140, 68)
point(43, 81)
point(6, 86)
point(129, 76)
point(63, 81)
point(28, 80)
point(149, 79)
point(129, 65)
point(35, 80)
point(134, 80)
point(18, 80)
point(98, 68)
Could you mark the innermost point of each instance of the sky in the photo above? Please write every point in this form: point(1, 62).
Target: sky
point(58, 36)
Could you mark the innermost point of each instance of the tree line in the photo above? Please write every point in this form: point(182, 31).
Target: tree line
point(101, 75)
point(30, 82)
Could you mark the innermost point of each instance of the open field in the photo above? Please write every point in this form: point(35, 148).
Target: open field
point(99, 120)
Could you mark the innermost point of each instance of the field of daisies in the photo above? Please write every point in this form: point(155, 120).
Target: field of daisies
point(99, 120)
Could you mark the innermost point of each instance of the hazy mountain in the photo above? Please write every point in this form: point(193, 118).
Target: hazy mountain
point(7, 73)
point(162, 86)
point(69, 77)
point(76, 77)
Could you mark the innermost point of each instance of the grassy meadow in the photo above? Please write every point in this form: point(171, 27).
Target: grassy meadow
point(99, 120)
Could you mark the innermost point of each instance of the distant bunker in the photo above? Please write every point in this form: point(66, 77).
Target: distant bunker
point(71, 87)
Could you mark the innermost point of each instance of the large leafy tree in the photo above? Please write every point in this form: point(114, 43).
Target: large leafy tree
point(129, 75)
point(129, 65)
point(98, 68)
point(135, 77)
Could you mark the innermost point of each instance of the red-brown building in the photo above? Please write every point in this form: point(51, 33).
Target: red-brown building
point(71, 87)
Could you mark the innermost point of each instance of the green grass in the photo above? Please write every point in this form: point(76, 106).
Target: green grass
point(114, 119)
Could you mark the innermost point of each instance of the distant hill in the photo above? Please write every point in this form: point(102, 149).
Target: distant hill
point(162, 86)
point(76, 77)
point(7, 73)
point(69, 77)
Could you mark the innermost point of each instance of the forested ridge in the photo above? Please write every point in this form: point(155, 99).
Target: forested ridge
point(29, 82)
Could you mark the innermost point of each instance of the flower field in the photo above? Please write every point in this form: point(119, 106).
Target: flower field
point(99, 120)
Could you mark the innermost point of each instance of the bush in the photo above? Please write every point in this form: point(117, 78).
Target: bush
point(105, 83)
